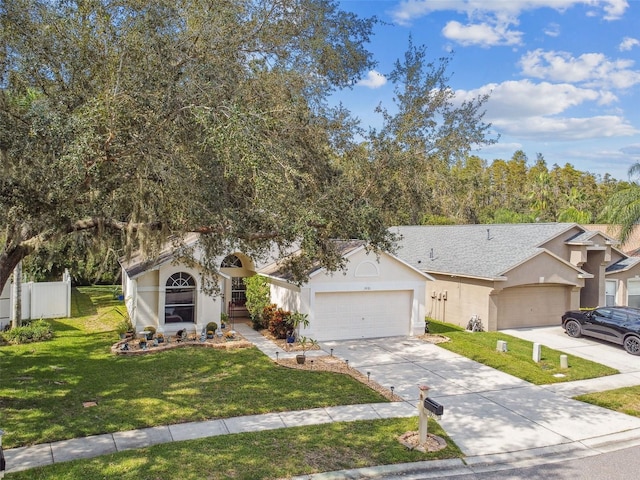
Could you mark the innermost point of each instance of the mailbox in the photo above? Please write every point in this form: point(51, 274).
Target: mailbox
point(433, 406)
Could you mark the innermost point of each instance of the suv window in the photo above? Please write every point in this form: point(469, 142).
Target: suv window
point(619, 316)
point(602, 313)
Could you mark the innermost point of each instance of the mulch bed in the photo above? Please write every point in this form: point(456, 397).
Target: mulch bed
point(216, 342)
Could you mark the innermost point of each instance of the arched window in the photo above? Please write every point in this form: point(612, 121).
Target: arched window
point(180, 299)
point(231, 261)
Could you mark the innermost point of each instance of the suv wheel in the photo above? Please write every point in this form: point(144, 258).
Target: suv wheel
point(573, 329)
point(632, 345)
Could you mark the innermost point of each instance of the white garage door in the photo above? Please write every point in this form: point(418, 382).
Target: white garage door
point(347, 315)
point(533, 306)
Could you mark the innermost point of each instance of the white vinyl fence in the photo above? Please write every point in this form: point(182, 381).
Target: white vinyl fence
point(39, 300)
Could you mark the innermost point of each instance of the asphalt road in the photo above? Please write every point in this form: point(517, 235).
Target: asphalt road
point(621, 464)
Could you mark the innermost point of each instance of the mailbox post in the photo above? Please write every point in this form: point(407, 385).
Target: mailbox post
point(427, 407)
point(423, 417)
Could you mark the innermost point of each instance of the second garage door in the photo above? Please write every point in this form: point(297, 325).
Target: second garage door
point(533, 306)
point(350, 315)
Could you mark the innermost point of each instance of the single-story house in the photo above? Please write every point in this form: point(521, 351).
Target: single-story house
point(518, 275)
point(375, 296)
point(511, 275)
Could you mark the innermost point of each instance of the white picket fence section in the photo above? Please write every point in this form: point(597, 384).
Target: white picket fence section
point(39, 300)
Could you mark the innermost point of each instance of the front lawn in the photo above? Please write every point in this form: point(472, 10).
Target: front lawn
point(266, 455)
point(43, 386)
point(624, 400)
point(518, 361)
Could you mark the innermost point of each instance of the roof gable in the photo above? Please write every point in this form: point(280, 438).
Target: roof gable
point(346, 248)
point(481, 251)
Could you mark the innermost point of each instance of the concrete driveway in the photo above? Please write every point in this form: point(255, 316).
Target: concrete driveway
point(609, 354)
point(486, 411)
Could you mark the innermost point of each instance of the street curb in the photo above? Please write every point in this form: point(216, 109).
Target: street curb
point(487, 463)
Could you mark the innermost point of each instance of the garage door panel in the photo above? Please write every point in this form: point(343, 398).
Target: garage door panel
point(349, 315)
point(533, 306)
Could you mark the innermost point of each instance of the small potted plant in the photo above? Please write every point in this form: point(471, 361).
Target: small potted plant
point(160, 337)
point(149, 332)
point(211, 329)
point(123, 328)
point(224, 318)
point(305, 344)
point(291, 339)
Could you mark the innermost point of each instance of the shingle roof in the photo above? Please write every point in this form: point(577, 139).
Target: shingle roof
point(276, 269)
point(139, 264)
point(483, 251)
point(624, 264)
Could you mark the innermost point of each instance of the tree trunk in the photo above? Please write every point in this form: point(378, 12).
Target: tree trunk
point(9, 260)
point(16, 293)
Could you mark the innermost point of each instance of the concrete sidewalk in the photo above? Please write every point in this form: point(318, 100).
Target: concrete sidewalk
point(24, 458)
point(494, 418)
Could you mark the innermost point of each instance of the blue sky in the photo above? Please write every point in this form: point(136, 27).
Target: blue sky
point(563, 75)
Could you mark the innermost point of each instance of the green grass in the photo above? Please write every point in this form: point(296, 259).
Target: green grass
point(518, 361)
point(265, 455)
point(624, 400)
point(43, 385)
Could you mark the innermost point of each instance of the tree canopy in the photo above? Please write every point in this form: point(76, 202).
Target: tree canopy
point(144, 120)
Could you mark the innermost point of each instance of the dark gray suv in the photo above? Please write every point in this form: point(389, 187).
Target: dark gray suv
point(619, 325)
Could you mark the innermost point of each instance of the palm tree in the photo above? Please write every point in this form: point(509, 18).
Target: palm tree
point(623, 207)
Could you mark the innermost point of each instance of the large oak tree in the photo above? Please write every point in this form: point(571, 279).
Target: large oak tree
point(145, 120)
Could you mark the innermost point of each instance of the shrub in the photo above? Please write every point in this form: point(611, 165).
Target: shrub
point(279, 323)
point(212, 327)
point(150, 329)
point(268, 313)
point(257, 293)
point(36, 331)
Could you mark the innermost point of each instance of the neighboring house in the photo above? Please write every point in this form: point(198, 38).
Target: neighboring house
point(630, 247)
point(375, 296)
point(518, 275)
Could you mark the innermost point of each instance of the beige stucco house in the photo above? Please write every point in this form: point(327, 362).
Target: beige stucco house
point(518, 275)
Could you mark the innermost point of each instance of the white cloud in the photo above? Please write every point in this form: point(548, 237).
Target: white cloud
point(374, 80)
point(520, 99)
point(552, 30)
point(567, 128)
point(482, 34)
point(614, 9)
point(628, 43)
point(490, 21)
point(538, 111)
point(590, 69)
